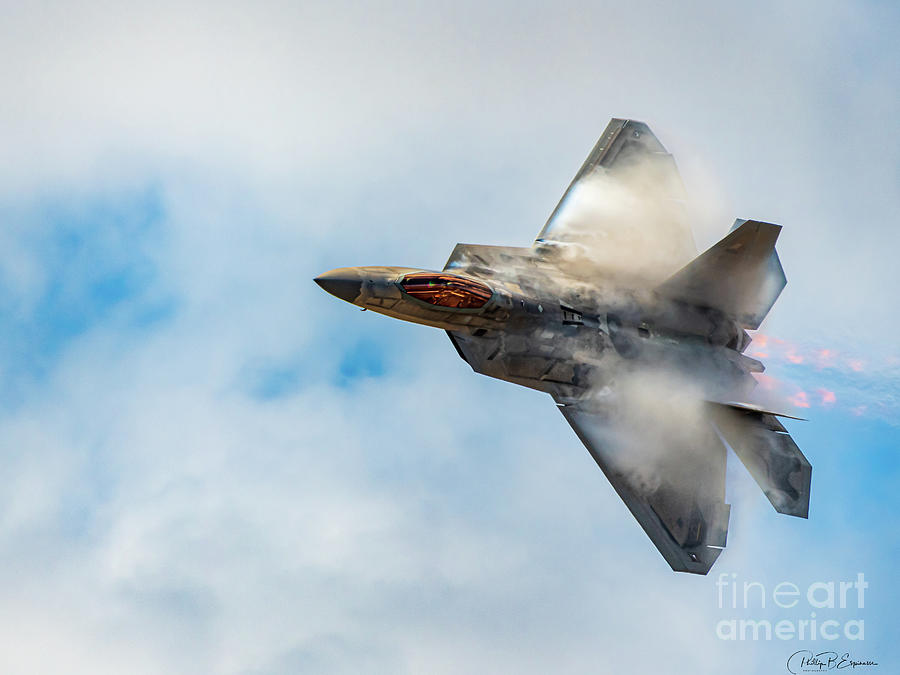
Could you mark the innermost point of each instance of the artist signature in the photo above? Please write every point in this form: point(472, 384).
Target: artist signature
point(805, 661)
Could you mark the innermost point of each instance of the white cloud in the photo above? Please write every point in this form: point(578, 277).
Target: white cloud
point(157, 518)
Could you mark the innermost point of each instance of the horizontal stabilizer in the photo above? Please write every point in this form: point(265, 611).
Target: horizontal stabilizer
point(740, 276)
point(752, 407)
point(769, 454)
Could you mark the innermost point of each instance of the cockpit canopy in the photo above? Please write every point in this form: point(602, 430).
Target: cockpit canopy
point(446, 290)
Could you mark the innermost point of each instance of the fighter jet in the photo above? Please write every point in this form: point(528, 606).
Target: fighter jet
point(639, 341)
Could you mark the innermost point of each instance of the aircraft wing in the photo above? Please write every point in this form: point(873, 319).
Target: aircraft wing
point(676, 491)
point(625, 203)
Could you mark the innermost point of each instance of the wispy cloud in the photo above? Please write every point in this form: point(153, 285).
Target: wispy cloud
point(211, 466)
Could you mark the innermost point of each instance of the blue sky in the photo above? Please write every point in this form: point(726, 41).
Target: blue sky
point(210, 465)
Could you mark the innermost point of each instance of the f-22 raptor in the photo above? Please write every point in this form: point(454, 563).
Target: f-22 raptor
point(640, 343)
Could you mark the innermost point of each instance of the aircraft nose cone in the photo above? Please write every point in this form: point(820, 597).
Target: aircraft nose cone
point(344, 283)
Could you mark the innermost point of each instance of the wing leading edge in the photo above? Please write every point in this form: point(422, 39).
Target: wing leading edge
point(624, 144)
point(625, 202)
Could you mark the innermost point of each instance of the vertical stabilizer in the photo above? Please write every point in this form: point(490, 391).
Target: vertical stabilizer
point(740, 276)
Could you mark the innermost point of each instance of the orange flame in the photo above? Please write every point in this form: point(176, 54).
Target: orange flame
point(767, 382)
point(800, 399)
point(828, 397)
point(825, 357)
